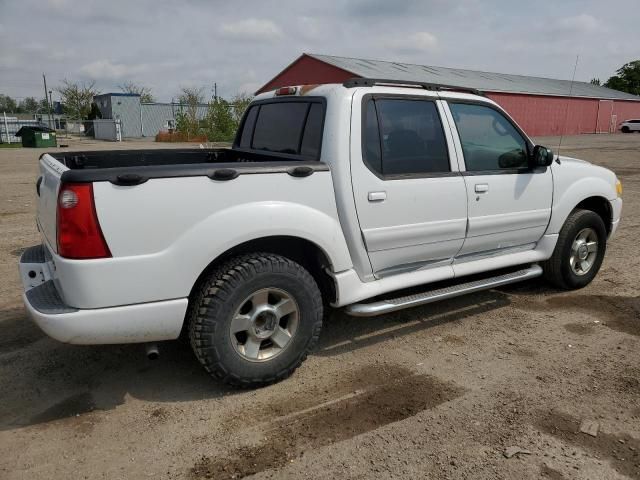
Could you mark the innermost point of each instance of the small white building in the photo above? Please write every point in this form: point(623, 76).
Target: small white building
point(139, 119)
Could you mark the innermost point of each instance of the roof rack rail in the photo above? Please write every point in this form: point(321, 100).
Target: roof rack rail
point(370, 82)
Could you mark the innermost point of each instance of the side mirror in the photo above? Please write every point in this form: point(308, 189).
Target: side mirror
point(541, 157)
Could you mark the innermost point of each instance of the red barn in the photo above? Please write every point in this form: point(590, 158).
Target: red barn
point(539, 105)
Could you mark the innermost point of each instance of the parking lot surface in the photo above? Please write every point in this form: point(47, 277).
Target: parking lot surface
point(448, 390)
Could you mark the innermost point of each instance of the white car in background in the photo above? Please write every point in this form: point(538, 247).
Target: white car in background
point(629, 126)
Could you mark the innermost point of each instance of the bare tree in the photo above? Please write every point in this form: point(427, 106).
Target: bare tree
point(145, 92)
point(77, 98)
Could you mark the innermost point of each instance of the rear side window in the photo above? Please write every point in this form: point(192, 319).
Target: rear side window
point(489, 141)
point(404, 137)
point(312, 136)
point(292, 128)
point(249, 124)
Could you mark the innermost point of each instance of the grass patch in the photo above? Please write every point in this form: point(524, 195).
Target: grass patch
point(10, 145)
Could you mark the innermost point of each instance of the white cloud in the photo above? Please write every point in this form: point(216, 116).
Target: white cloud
point(423, 41)
point(105, 69)
point(415, 42)
point(253, 29)
point(580, 23)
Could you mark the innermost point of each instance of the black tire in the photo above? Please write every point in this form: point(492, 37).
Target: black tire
point(625, 129)
point(222, 293)
point(557, 270)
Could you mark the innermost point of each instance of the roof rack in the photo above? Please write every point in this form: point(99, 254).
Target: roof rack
point(370, 82)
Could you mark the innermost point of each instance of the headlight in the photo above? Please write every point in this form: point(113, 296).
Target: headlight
point(619, 187)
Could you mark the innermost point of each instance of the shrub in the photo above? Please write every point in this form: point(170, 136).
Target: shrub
point(172, 137)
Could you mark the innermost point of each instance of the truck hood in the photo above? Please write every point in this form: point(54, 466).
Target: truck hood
point(579, 165)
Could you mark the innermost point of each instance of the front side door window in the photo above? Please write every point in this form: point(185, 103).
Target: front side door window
point(489, 141)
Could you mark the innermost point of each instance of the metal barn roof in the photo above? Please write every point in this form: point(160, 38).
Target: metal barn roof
point(486, 81)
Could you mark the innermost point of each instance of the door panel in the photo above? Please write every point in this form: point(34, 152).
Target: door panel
point(421, 221)
point(407, 220)
point(515, 210)
point(509, 205)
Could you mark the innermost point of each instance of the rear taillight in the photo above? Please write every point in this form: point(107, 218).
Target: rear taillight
point(79, 234)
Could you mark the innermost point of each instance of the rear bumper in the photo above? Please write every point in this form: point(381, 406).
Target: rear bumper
point(143, 322)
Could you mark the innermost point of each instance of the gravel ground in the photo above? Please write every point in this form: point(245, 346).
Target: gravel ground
point(435, 392)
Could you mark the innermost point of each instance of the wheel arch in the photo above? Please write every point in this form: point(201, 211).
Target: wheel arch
point(301, 250)
point(600, 206)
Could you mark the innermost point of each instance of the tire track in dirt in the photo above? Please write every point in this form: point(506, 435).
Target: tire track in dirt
point(288, 437)
point(620, 313)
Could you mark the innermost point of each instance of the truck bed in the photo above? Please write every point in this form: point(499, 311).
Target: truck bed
point(131, 167)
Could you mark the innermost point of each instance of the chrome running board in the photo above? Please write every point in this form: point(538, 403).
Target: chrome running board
point(393, 304)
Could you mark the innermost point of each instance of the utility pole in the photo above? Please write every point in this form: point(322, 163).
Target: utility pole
point(46, 98)
point(51, 108)
point(215, 92)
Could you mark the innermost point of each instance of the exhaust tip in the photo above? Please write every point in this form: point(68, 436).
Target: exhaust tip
point(151, 349)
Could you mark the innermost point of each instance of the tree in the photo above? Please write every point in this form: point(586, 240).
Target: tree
point(145, 92)
point(8, 104)
point(595, 81)
point(43, 106)
point(29, 105)
point(77, 98)
point(240, 104)
point(627, 78)
point(220, 124)
point(187, 121)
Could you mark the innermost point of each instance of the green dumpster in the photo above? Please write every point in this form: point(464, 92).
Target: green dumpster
point(36, 136)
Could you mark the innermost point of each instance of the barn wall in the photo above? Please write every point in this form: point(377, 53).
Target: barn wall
point(540, 115)
point(307, 70)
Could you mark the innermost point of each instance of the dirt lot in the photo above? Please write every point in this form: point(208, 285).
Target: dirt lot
point(433, 392)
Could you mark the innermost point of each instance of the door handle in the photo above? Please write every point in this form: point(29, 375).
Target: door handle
point(377, 196)
point(482, 187)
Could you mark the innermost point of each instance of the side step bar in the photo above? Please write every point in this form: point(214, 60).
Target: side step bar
point(393, 304)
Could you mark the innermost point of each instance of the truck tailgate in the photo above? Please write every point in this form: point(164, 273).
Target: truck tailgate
point(47, 187)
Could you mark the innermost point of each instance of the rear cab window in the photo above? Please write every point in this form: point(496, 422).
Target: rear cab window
point(288, 128)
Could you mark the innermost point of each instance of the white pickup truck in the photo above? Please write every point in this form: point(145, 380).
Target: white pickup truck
point(336, 195)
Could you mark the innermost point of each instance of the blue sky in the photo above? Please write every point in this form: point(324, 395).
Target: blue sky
point(240, 45)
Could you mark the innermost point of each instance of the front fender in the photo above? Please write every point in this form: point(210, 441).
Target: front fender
point(566, 197)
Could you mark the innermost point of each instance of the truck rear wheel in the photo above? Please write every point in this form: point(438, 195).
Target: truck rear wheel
point(254, 319)
point(579, 252)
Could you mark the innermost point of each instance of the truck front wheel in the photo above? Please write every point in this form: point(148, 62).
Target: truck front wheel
point(254, 319)
point(579, 252)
